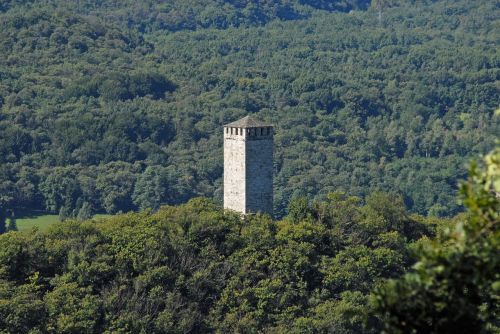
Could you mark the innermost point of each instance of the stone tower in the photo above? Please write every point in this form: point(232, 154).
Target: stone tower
point(248, 166)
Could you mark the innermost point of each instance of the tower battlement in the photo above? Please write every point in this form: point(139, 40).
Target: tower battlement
point(258, 133)
point(248, 166)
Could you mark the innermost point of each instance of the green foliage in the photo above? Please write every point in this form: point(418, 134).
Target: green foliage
point(11, 223)
point(195, 14)
point(455, 285)
point(3, 226)
point(85, 212)
point(21, 308)
point(94, 96)
point(160, 185)
point(112, 106)
point(196, 268)
point(117, 86)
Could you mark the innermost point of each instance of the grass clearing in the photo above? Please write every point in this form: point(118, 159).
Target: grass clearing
point(42, 221)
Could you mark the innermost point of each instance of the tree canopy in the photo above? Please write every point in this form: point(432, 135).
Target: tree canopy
point(337, 266)
point(106, 104)
point(194, 268)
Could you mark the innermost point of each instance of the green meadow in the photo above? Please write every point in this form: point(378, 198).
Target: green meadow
point(41, 221)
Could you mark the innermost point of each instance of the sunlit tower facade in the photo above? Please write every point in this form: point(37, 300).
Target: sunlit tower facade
point(248, 166)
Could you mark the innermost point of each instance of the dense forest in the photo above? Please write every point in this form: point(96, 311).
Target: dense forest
point(114, 106)
point(332, 266)
point(117, 106)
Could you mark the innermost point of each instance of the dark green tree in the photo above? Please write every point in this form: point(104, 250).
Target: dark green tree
point(64, 213)
point(3, 227)
point(85, 212)
point(11, 224)
point(455, 286)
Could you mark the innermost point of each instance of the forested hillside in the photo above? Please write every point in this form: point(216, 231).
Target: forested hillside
point(174, 15)
point(322, 269)
point(192, 269)
point(113, 106)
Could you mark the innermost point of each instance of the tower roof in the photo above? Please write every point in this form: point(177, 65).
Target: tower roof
point(248, 122)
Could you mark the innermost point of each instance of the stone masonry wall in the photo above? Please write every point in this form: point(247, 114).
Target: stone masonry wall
point(248, 170)
point(259, 175)
point(234, 172)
